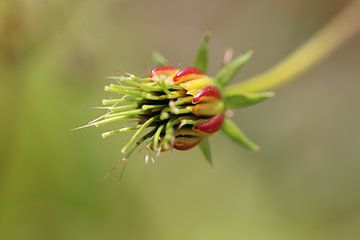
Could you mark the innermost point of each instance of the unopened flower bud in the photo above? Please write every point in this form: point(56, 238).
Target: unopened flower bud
point(174, 108)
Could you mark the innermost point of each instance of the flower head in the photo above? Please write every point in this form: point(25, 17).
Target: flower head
point(176, 108)
point(179, 107)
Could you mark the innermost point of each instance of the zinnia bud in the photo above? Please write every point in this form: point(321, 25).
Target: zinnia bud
point(173, 108)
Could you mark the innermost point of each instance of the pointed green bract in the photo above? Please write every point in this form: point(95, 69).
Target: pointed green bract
point(201, 60)
point(230, 129)
point(246, 99)
point(229, 71)
point(204, 146)
point(159, 59)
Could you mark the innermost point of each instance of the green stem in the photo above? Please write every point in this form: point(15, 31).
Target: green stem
point(345, 25)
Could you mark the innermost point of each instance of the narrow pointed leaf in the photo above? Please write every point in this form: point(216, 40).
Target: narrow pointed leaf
point(246, 99)
point(201, 60)
point(159, 59)
point(230, 129)
point(204, 146)
point(229, 71)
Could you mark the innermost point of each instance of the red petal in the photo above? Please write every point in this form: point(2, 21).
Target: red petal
point(211, 125)
point(186, 142)
point(188, 74)
point(163, 70)
point(207, 94)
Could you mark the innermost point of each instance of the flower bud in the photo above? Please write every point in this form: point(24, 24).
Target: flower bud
point(173, 108)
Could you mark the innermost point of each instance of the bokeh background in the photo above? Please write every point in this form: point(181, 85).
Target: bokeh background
point(54, 56)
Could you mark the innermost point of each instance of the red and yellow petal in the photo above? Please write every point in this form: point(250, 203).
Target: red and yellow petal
point(211, 125)
point(186, 142)
point(188, 74)
point(207, 94)
point(208, 109)
point(166, 71)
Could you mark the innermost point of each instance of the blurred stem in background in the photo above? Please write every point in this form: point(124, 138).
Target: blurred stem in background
point(345, 25)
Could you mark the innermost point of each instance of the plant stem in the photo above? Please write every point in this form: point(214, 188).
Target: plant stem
point(339, 30)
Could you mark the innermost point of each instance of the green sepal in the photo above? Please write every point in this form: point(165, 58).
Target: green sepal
point(204, 146)
point(159, 59)
point(201, 60)
point(229, 71)
point(230, 129)
point(246, 99)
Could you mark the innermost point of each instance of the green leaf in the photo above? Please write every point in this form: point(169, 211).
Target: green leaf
point(158, 59)
point(246, 99)
point(201, 60)
point(229, 71)
point(205, 149)
point(230, 129)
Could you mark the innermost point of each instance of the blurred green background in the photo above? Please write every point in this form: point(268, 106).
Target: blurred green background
point(54, 56)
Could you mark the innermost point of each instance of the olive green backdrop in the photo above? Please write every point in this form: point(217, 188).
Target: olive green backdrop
point(54, 56)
